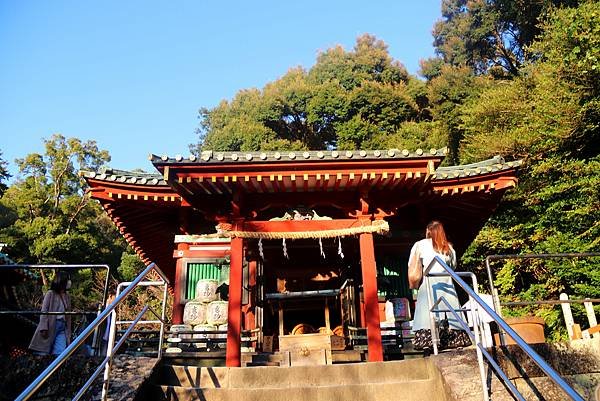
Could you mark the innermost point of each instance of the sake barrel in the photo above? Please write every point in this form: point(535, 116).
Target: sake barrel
point(206, 290)
point(194, 313)
point(204, 328)
point(176, 328)
point(216, 313)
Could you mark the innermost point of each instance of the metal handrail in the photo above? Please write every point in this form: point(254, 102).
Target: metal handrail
point(32, 312)
point(484, 352)
point(109, 357)
point(70, 350)
point(543, 365)
point(161, 318)
point(112, 348)
point(488, 259)
point(552, 302)
point(67, 268)
point(113, 329)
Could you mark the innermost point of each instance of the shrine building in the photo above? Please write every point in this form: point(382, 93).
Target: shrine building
point(315, 238)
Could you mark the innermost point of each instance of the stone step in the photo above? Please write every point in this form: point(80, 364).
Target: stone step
point(415, 390)
point(297, 376)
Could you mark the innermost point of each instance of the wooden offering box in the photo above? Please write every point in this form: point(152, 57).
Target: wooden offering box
point(306, 349)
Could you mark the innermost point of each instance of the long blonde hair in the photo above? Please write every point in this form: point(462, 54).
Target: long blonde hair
point(435, 231)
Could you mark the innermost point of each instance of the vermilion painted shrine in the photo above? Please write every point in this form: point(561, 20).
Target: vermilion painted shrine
point(297, 229)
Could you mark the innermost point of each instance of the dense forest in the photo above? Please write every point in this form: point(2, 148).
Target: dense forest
point(516, 78)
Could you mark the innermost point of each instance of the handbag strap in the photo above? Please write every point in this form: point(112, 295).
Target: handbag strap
point(63, 301)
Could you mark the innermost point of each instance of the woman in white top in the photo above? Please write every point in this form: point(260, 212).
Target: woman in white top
point(434, 244)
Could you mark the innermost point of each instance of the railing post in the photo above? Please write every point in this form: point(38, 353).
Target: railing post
point(543, 365)
point(56, 363)
point(109, 353)
point(432, 319)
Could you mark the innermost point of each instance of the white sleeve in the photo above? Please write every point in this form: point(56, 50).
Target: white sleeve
point(413, 254)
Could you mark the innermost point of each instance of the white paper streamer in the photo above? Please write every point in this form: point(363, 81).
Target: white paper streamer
point(285, 249)
point(340, 252)
point(260, 249)
point(321, 246)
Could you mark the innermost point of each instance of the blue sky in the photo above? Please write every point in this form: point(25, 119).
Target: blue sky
point(133, 74)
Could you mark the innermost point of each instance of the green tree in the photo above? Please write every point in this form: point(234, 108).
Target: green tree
point(570, 44)
point(347, 100)
point(489, 34)
point(528, 117)
point(50, 218)
point(52, 210)
point(4, 175)
point(552, 107)
point(447, 92)
point(547, 116)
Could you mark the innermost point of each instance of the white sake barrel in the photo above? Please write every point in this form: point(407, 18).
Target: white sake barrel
point(216, 313)
point(194, 313)
point(176, 328)
point(203, 327)
point(206, 290)
point(223, 336)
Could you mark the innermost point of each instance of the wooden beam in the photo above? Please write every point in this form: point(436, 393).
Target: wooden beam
point(293, 181)
point(327, 181)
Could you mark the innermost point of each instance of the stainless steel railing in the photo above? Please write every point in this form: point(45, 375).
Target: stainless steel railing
point(111, 348)
point(481, 350)
point(543, 256)
point(71, 267)
point(70, 350)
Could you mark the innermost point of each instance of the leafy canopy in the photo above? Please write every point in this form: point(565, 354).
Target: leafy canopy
point(547, 115)
point(4, 175)
point(489, 36)
point(361, 98)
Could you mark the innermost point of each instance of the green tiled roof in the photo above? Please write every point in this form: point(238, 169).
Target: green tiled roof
point(298, 156)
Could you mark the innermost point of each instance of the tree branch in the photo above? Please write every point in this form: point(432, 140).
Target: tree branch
point(82, 203)
point(505, 54)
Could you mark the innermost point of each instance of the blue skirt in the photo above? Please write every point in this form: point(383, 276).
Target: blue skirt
point(440, 286)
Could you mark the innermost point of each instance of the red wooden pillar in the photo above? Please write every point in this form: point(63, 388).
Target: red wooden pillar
point(369, 275)
point(234, 316)
point(177, 288)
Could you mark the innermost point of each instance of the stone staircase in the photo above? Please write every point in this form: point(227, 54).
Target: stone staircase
point(413, 379)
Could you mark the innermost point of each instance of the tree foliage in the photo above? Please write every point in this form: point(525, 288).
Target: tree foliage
point(489, 34)
point(4, 175)
point(549, 117)
point(50, 218)
point(347, 100)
